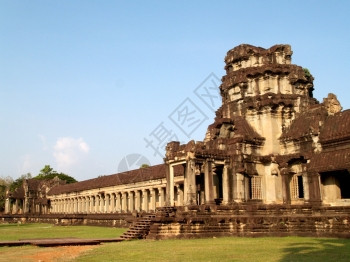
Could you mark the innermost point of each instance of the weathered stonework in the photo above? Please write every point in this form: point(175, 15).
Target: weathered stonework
point(274, 160)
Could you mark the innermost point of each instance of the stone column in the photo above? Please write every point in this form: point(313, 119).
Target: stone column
point(170, 185)
point(306, 187)
point(124, 203)
point(152, 199)
point(238, 187)
point(208, 182)
point(80, 205)
point(67, 206)
point(87, 204)
point(15, 207)
point(131, 201)
point(107, 203)
point(118, 206)
point(161, 196)
point(71, 206)
point(7, 206)
point(314, 188)
point(180, 196)
point(138, 201)
point(96, 203)
point(144, 200)
point(225, 185)
point(189, 192)
point(112, 202)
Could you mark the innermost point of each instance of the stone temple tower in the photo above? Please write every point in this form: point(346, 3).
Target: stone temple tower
point(263, 87)
point(266, 139)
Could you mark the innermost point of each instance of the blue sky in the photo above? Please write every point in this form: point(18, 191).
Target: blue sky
point(85, 84)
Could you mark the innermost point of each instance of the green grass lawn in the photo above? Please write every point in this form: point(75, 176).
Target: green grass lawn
point(211, 249)
point(26, 231)
point(224, 249)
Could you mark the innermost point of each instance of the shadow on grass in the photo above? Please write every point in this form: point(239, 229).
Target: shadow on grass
point(319, 250)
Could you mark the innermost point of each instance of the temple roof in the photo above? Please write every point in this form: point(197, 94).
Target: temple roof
point(129, 177)
point(330, 161)
point(336, 127)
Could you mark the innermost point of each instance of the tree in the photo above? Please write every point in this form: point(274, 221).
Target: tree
point(19, 181)
point(4, 185)
point(48, 173)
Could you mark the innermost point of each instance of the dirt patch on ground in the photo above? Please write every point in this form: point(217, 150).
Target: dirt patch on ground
point(62, 253)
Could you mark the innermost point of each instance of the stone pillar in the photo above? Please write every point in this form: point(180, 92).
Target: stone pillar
point(161, 196)
point(107, 203)
point(7, 206)
point(15, 207)
point(285, 187)
point(306, 186)
point(131, 201)
point(170, 185)
point(71, 206)
point(225, 185)
point(208, 182)
point(96, 203)
point(112, 202)
point(138, 201)
point(145, 200)
point(66, 209)
point(118, 206)
point(152, 199)
point(80, 204)
point(102, 203)
point(238, 187)
point(180, 195)
point(189, 192)
point(314, 188)
point(124, 203)
point(87, 204)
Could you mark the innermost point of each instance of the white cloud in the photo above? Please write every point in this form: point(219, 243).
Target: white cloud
point(68, 151)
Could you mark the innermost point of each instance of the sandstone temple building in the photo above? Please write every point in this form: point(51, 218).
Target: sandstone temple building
point(270, 143)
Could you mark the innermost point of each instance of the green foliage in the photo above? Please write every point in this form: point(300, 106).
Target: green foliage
point(307, 73)
point(4, 185)
point(19, 181)
point(144, 166)
point(2, 197)
point(48, 173)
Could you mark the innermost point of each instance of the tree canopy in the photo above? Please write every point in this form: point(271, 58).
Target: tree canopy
point(48, 173)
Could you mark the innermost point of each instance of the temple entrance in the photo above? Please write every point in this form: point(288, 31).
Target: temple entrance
point(335, 185)
point(216, 188)
point(217, 183)
point(200, 195)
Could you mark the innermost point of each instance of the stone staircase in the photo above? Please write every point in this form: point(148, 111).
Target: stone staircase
point(165, 211)
point(139, 229)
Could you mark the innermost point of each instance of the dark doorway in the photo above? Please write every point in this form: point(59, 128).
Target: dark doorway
point(300, 187)
point(339, 180)
point(200, 189)
point(217, 179)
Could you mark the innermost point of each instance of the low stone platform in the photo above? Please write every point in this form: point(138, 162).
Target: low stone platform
point(52, 242)
point(252, 220)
